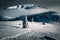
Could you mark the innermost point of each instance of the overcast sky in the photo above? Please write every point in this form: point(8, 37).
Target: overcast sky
point(5, 3)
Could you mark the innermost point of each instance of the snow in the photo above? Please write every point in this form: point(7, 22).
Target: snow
point(40, 26)
point(12, 7)
point(11, 30)
point(22, 11)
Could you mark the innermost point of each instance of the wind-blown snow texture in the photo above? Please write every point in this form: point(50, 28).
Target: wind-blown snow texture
point(35, 31)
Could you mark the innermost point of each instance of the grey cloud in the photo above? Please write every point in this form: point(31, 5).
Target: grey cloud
point(6, 3)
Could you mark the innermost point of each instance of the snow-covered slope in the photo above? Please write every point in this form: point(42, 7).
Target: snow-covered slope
point(34, 29)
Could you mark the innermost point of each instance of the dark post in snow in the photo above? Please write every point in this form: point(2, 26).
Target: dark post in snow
point(17, 6)
point(25, 22)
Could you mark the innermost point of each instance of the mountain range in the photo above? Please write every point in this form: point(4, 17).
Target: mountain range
point(39, 16)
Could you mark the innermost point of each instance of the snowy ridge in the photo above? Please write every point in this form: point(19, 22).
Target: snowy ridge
point(27, 6)
point(14, 36)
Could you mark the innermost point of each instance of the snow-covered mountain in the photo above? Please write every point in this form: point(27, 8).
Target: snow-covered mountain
point(5, 18)
point(27, 6)
point(20, 10)
point(42, 17)
point(37, 13)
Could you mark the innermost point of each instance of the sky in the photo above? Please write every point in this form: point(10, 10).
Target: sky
point(5, 3)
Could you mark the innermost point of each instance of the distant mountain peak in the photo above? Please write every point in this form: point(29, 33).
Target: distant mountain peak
point(26, 6)
point(2, 18)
